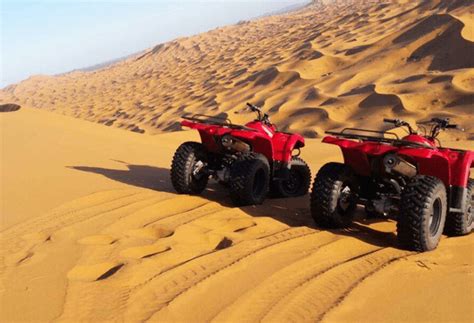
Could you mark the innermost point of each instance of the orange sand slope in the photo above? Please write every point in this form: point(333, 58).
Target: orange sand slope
point(325, 66)
point(123, 247)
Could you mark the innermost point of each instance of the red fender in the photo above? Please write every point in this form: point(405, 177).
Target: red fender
point(461, 164)
point(284, 144)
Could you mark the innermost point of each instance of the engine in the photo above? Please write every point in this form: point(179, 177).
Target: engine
point(234, 144)
point(398, 165)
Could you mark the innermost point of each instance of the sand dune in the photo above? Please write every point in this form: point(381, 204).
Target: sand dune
point(99, 225)
point(399, 47)
point(91, 229)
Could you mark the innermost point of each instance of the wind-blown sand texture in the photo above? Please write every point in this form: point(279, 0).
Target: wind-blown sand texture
point(322, 67)
point(91, 229)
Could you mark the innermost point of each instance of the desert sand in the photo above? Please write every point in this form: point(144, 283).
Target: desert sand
point(91, 229)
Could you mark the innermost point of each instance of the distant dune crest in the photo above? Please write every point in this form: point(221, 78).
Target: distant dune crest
point(358, 61)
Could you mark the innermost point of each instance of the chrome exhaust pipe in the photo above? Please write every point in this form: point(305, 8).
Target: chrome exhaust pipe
point(396, 164)
point(232, 143)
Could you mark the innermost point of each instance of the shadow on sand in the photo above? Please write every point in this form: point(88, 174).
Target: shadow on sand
point(294, 212)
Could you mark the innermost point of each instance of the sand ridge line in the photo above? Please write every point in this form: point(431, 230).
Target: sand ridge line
point(129, 286)
point(44, 226)
point(58, 212)
point(135, 269)
point(177, 265)
point(258, 301)
point(70, 216)
point(27, 251)
point(345, 294)
point(315, 297)
point(75, 217)
point(12, 252)
point(224, 285)
point(190, 277)
point(164, 208)
point(181, 218)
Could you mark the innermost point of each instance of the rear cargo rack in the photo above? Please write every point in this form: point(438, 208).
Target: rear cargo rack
point(354, 133)
point(215, 121)
point(203, 118)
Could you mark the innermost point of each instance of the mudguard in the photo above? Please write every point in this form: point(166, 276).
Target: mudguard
point(356, 153)
point(284, 144)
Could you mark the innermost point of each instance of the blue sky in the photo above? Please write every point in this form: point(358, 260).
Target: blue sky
point(53, 36)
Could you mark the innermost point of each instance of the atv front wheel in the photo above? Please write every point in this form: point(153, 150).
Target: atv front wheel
point(458, 224)
point(188, 174)
point(249, 181)
point(297, 184)
point(422, 213)
point(334, 196)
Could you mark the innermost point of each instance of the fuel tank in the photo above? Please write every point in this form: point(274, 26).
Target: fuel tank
point(420, 140)
point(268, 130)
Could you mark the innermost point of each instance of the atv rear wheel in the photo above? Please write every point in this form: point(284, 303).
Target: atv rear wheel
point(458, 224)
point(422, 213)
point(297, 184)
point(249, 180)
point(334, 196)
point(188, 174)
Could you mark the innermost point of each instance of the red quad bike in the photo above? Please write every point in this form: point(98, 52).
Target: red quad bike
point(424, 186)
point(250, 160)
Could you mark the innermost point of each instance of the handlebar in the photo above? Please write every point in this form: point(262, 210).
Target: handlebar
point(261, 116)
point(455, 126)
point(253, 107)
point(397, 122)
point(400, 123)
point(442, 124)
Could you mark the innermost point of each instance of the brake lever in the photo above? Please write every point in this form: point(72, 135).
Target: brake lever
point(266, 118)
point(396, 122)
point(443, 123)
point(455, 126)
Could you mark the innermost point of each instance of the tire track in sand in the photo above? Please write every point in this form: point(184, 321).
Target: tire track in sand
point(253, 305)
point(168, 213)
point(314, 298)
point(23, 238)
point(160, 291)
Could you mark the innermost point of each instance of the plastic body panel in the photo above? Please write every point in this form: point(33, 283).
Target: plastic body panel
point(450, 165)
point(263, 138)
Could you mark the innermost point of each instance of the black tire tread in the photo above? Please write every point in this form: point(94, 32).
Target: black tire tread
point(278, 192)
point(181, 162)
point(323, 192)
point(240, 176)
point(416, 197)
point(455, 222)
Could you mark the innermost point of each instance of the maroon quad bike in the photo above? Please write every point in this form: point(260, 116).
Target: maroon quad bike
point(250, 159)
point(415, 180)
